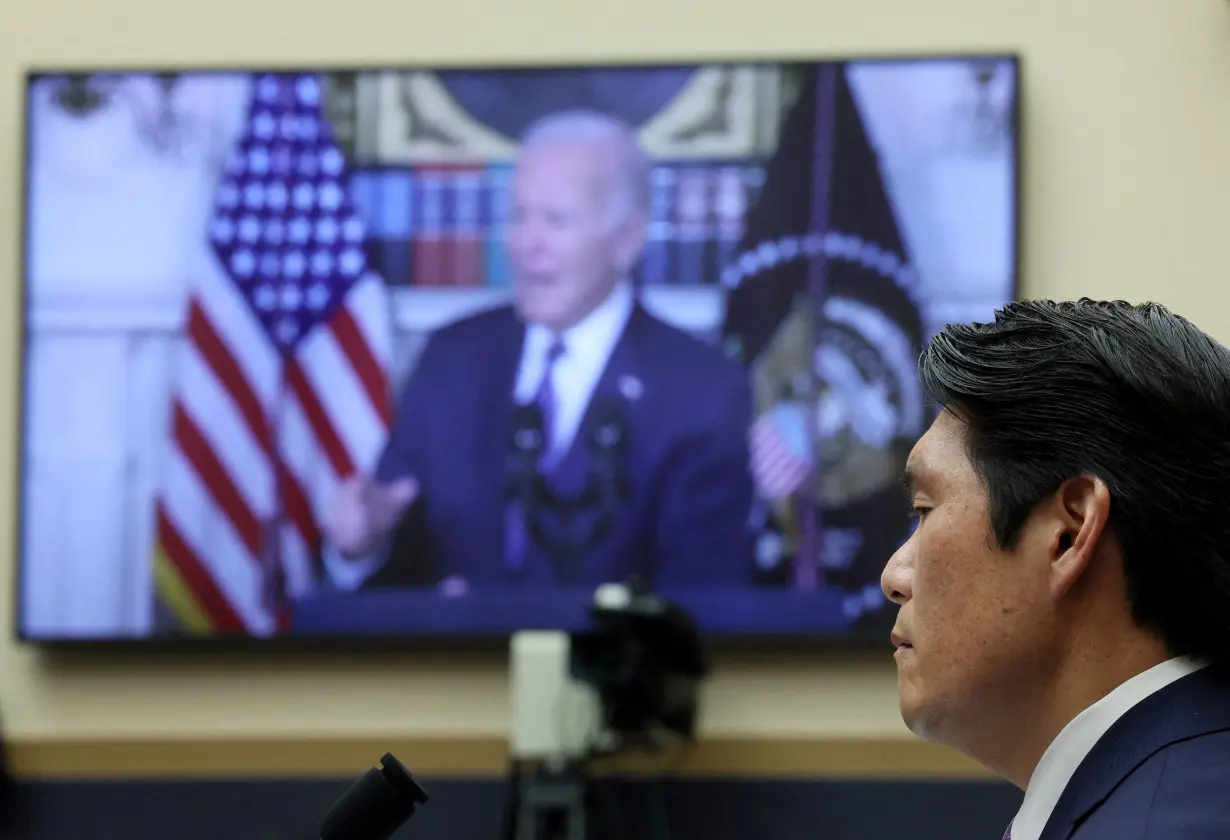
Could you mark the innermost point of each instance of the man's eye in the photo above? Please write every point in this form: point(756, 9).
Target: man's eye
point(918, 512)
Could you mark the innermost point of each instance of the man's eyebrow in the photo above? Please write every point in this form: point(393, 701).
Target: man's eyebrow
point(913, 480)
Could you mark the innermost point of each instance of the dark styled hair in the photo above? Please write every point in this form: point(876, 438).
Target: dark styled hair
point(1132, 394)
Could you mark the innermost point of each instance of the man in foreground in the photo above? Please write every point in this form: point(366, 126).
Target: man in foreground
point(1065, 599)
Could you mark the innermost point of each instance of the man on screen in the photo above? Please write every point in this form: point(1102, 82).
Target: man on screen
point(1065, 599)
point(587, 368)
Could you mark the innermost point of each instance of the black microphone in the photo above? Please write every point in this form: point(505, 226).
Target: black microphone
point(608, 487)
point(376, 805)
point(609, 448)
point(526, 444)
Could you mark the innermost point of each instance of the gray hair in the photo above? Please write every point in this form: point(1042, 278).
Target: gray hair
point(632, 170)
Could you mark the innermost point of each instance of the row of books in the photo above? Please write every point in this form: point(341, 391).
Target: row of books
point(444, 225)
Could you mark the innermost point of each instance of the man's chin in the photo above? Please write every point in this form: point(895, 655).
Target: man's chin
point(534, 311)
point(913, 706)
point(922, 715)
point(918, 722)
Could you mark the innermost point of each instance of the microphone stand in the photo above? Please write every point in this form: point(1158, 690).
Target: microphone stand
point(550, 802)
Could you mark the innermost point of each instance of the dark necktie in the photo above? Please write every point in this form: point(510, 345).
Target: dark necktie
point(544, 398)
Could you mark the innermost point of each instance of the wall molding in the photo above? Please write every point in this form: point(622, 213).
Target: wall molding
point(481, 757)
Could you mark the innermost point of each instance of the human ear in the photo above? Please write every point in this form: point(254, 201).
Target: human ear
point(1079, 512)
point(629, 242)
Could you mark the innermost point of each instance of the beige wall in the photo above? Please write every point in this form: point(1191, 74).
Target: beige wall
point(1127, 194)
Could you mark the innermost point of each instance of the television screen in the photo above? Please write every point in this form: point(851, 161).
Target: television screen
point(434, 353)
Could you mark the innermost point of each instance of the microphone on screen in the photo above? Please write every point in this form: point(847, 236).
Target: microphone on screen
point(376, 805)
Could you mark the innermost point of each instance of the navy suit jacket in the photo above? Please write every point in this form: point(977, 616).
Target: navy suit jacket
point(686, 519)
point(1162, 772)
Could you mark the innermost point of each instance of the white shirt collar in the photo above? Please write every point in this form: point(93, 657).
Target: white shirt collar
point(1078, 738)
point(594, 335)
point(588, 346)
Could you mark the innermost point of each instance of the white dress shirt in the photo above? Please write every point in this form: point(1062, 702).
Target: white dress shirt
point(587, 349)
point(1078, 738)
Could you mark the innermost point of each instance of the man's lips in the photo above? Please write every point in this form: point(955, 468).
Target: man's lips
point(900, 641)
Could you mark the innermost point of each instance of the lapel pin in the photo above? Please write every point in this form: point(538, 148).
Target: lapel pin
point(631, 388)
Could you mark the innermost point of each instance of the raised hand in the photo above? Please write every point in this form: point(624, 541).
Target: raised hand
point(364, 511)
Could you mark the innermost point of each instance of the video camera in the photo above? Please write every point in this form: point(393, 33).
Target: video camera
point(646, 660)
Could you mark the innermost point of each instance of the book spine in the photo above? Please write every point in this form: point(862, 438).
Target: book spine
point(499, 208)
point(465, 252)
point(656, 266)
point(429, 233)
point(692, 209)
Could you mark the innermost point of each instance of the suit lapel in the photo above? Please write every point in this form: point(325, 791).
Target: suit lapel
point(620, 379)
point(497, 372)
point(1195, 705)
point(503, 368)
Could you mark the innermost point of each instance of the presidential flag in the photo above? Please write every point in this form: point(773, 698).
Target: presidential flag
point(281, 388)
point(824, 308)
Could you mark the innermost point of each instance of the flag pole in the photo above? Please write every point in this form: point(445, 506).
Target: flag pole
point(809, 571)
point(273, 572)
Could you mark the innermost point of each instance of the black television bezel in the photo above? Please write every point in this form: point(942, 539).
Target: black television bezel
point(477, 643)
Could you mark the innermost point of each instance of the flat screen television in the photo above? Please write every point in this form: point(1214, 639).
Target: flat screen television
point(410, 354)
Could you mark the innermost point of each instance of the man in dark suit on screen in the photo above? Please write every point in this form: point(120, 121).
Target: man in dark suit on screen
point(619, 398)
point(1065, 598)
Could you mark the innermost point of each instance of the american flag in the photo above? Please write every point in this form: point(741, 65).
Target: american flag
point(281, 388)
point(781, 460)
point(822, 231)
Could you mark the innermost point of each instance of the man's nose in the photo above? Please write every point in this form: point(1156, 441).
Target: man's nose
point(530, 240)
point(896, 580)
